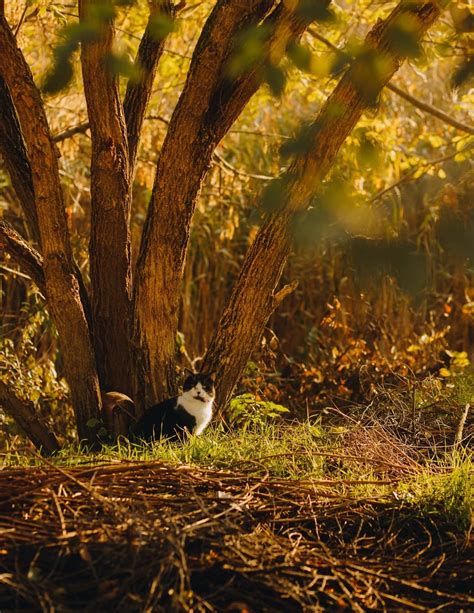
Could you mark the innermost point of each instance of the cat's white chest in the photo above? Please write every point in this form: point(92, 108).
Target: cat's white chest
point(201, 411)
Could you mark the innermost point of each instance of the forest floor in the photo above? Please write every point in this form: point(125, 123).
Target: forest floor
point(352, 514)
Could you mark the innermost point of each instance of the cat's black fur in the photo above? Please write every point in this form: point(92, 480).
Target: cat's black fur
point(170, 419)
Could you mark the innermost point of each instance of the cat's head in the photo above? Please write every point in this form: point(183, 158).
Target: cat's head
point(199, 386)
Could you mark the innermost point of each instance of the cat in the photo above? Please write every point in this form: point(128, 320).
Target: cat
point(182, 415)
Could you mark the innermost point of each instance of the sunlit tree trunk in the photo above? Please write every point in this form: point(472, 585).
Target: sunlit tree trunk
point(109, 249)
point(211, 101)
point(62, 284)
point(252, 300)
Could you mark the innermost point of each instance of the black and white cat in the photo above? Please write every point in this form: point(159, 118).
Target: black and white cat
point(176, 417)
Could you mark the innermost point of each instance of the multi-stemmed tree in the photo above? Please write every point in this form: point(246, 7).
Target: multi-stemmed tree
point(119, 333)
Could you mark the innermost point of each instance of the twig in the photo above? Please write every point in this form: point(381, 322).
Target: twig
point(423, 106)
point(461, 424)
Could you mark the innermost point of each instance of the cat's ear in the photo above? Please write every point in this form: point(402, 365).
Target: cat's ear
point(212, 376)
point(188, 373)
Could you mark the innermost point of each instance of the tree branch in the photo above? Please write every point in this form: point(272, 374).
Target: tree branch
point(62, 285)
point(432, 110)
point(138, 94)
point(423, 106)
point(251, 300)
point(28, 259)
point(15, 156)
point(65, 134)
point(23, 412)
point(285, 291)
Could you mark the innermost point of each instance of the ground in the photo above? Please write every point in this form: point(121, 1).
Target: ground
point(293, 517)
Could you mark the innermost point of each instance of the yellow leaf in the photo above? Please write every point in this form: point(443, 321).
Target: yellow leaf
point(444, 372)
point(441, 174)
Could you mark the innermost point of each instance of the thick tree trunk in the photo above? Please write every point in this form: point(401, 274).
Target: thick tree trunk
point(252, 300)
point(208, 106)
point(109, 249)
point(12, 149)
point(138, 94)
point(62, 285)
point(23, 412)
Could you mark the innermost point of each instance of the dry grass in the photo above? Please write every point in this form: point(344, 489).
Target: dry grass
point(151, 536)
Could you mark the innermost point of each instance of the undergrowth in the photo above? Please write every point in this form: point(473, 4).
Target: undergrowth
point(358, 462)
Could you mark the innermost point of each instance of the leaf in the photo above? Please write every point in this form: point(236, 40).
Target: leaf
point(368, 154)
point(315, 10)
point(249, 48)
point(403, 36)
point(300, 55)
point(301, 143)
point(463, 73)
point(275, 78)
point(160, 25)
point(274, 196)
point(122, 65)
point(59, 78)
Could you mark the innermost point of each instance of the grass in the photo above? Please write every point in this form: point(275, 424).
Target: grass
point(352, 515)
point(357, 461)
point(447, 493)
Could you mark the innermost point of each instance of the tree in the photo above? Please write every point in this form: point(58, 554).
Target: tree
point(120, 334)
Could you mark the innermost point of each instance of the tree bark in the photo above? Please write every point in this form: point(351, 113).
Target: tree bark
point(252, 299)
point(27, 258)
point(207, 108)
point(138, 94)
point(15, 157)
point(62, 285)
point(109, 248)
point(23, 412)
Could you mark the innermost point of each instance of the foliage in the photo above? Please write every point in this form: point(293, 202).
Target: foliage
point(393, 216)
point(246, 410)
point(28, 364)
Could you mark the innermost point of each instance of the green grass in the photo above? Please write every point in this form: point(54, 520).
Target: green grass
point(282, 451)
point(445, 490)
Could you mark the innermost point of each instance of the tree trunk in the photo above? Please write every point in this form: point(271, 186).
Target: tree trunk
point(109, 248)
point(23, 412)
point(207, 108)
point(252, 299)
point(62, 285)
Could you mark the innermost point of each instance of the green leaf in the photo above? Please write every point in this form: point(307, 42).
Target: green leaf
point(403, 36)
point(368, 154)
point(464, 73)
point(276, 79)
point(300, 56)
point(301, 144)
point(315, 10)
point(160, 25)
point(249, 48)
point(274, 196)
point(59, 78)
point(121, 65)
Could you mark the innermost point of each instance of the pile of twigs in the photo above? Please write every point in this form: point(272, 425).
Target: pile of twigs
point(150, 536)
